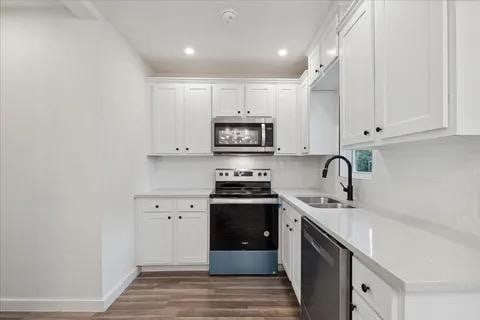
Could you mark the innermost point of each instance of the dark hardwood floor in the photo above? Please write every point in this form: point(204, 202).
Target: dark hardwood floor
point(188, 295)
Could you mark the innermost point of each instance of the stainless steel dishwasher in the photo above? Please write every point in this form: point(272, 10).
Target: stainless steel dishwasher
point(326, 276)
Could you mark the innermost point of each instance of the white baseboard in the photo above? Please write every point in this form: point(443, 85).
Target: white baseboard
point(117, 290)
point(64, 305)
point(69, 305)
point(175, 268)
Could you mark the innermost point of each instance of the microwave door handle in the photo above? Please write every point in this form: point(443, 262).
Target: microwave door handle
point(263, 134)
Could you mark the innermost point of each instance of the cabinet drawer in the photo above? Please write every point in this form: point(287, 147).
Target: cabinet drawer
point(374, 290)
point(159, 204)
point(192, 204)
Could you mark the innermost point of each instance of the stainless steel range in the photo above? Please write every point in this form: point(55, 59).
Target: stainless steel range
point(243, 223)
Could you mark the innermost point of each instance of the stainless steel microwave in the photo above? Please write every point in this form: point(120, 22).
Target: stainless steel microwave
point(243, 135)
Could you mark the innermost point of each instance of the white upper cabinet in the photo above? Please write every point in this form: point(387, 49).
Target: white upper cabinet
point(197, 115)
point(329, 43)
point(286, 130)
point(260, 100)
point(166, 114)
point(228, 99)
point(423, 62)
point(410, 67)
point(303, 116)
point(181, 118)
point(314, 64)
point(357, 76)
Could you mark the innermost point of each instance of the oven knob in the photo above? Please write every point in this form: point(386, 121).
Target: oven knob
point(226, 174)
point(265, 174)
point(221, 173)
point(259, 174)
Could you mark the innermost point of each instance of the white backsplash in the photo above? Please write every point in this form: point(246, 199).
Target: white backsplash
point(436, 181)
point(198, 172)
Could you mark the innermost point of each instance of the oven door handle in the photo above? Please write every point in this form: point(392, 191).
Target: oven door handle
point(244, 201)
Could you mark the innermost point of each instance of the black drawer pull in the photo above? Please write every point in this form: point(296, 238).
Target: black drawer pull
point(169, 217)
point(156, 206)
point(179, 217)
point(191, 206)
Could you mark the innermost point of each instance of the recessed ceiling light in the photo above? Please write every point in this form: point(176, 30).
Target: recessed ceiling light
point(282, 52)
point(189, 51)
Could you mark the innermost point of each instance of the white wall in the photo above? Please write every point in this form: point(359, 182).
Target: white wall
point(434, 181)
point(198, 172)
point(72, 146)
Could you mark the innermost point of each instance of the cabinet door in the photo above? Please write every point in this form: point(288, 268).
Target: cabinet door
point(198, 119)
point(228, 99)
point(362, 311)
point(260, 100)
point(329, 49)
point(191, 238)
point(296, 258)
point(286, 244)
point(357, 76)
point(286, 119)
point(167, 108)
point(303, 116)
point(411, 66)
point(155, 238)
point(314, 69)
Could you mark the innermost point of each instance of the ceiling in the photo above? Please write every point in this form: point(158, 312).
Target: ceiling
point(160, 31)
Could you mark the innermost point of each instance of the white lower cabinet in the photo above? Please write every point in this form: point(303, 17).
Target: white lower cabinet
point(291, 245)
point(175, 237)
point(361, 310)
point(191, 238)
point(155, 238)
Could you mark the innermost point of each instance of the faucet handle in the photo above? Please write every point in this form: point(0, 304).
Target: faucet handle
point(343, 186)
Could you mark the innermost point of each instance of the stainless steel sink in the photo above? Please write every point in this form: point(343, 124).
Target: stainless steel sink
point(317, 200)
point(331, 205)
point(324, 202)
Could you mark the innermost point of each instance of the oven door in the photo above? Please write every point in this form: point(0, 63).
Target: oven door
point(251, 135)
point(243, 224)
point(243, 236)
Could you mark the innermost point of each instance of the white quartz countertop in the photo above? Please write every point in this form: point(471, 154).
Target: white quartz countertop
point(200, 193)
point(404, 255)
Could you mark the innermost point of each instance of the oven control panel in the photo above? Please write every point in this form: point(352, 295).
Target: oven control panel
point(242, 175)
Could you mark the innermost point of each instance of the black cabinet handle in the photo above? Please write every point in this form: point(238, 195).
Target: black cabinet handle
point(284, 209)
point(287, 226)
point(186, 149)
point(366, 133)
point(191, 206)
point(353, 307)
point(248, 111)
point(156, 206)
point(321, 65)
point(238, 111)
point(305, 148)
point(278, 149)
point(290, 229)
point(179, 217)
point(295, 220)
point(176, 149)
point(169, 217)
point(365, 288)
point(317, 71)
point(378, 129)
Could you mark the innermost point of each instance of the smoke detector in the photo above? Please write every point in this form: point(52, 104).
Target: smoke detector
point(229, 16)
